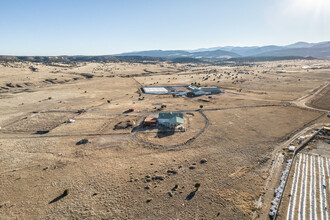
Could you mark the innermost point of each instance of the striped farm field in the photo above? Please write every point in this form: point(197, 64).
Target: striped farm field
point(307, 194)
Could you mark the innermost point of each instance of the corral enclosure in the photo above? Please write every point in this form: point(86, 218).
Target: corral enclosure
point(120, 172)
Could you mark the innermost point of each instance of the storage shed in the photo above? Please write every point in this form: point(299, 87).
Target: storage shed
point(212, 90)
point(150, 121)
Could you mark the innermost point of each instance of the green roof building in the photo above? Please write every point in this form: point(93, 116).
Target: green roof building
point(170, 119)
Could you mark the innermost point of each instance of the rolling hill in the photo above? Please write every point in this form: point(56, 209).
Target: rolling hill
point(298, 49)
point(321, 50)
point(170, 54)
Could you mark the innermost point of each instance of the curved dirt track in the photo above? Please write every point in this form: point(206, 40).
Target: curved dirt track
point(206, 125)
point(301, 102)
point(278, 158)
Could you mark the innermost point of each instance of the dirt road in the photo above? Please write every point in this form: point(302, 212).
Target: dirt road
point(278, 158)
point(301, 102)
point(272, 181)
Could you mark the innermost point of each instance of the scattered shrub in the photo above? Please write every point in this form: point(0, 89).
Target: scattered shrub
point(66, 192)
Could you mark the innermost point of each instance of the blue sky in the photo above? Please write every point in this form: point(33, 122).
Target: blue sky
point(99, 27)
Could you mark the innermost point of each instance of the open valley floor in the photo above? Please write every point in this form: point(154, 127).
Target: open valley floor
point(73, 143)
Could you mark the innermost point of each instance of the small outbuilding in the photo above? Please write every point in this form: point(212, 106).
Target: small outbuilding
point(150, 121)
point(326, 130)
point(212, 90)
point(197, 92)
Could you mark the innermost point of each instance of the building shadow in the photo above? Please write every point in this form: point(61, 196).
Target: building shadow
point(162, 133)
point(143, 127)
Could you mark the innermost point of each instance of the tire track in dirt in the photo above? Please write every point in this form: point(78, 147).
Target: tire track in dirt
point(301, 102)
point(206, 125)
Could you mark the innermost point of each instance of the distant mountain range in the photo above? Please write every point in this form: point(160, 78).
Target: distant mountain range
point(300, 49)
point(296, 51)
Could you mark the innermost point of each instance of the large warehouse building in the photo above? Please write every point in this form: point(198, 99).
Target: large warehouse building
point(155, 90)
point(190, 90)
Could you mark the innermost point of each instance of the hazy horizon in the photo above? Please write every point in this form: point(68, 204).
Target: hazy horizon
point(43, 28)
point(193, 49)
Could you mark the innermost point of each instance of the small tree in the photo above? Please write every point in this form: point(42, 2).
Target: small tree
point(201, 106)
point(33, 69)
point(66, 192)
point(197, 185)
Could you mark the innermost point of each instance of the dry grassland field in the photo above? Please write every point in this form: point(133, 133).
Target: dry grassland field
point(234, 146)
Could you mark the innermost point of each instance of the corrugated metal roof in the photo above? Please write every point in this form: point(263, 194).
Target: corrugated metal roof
point(155, 90)
point(211, 89)
point(194, 90)
point(165, 115)
point(177, 120)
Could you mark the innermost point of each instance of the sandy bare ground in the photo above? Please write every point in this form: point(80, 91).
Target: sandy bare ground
point(306, 194)
point(113, 176)
point(323, 103)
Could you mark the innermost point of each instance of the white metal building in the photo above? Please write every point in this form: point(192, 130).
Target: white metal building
point(160, 90)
